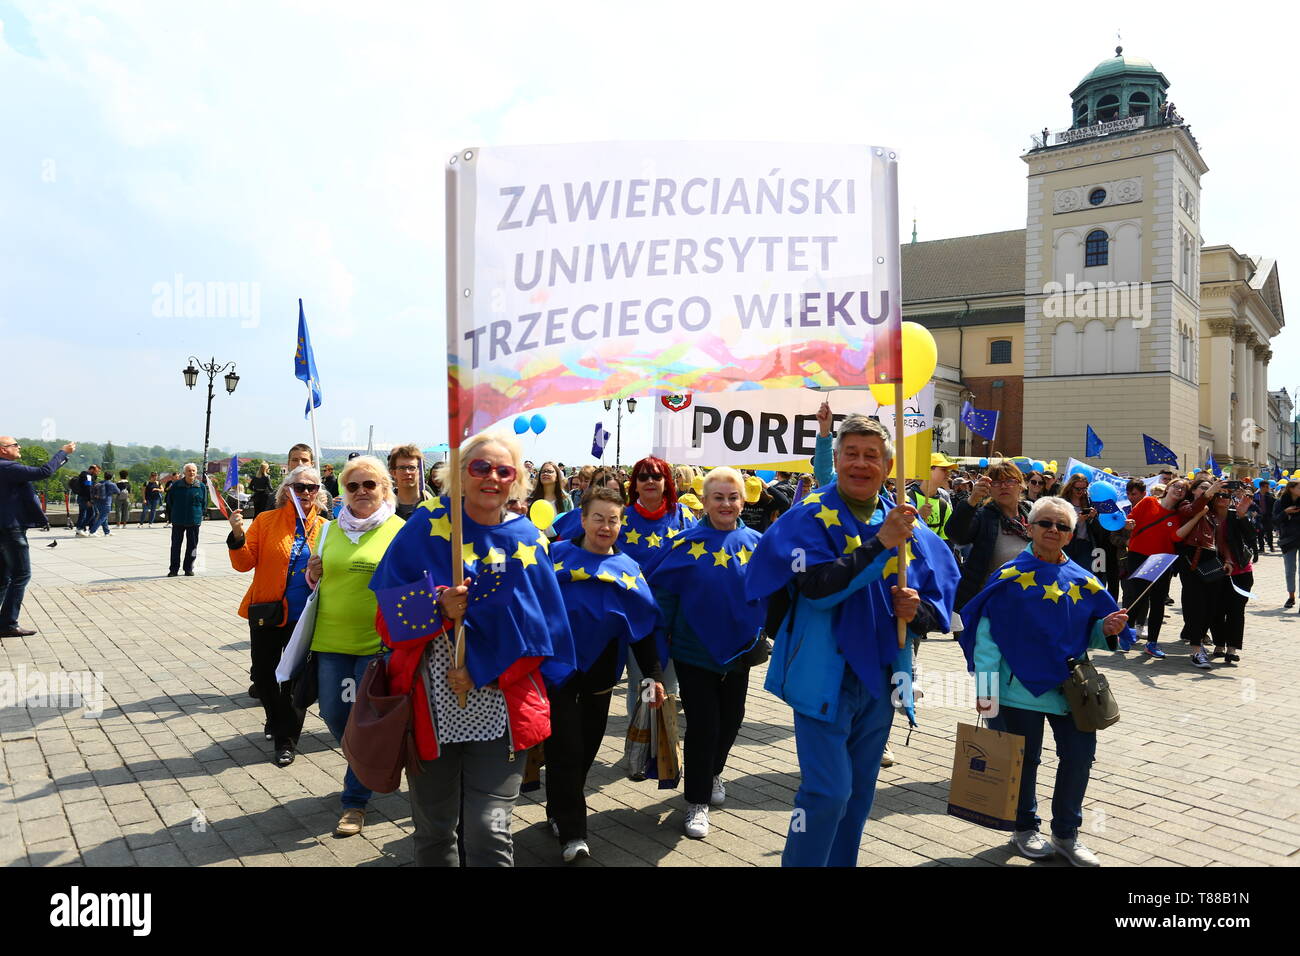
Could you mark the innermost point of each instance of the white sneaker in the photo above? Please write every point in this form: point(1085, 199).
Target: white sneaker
point(1075, 852)
point(1030, 843)
point(719, 795)
point(887, 758)
point(1142, 632)
point(575, 849)
point(697, 820)
point(81, 534)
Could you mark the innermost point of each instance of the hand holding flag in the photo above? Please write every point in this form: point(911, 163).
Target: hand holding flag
point(983, 422)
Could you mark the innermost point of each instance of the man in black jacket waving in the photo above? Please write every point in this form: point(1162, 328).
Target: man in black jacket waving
point(19, 510)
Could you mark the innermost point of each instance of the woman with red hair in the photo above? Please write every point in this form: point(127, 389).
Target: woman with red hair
point(652, 519)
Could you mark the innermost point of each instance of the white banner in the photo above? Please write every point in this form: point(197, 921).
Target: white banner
point(592, 271)
point(765, 427)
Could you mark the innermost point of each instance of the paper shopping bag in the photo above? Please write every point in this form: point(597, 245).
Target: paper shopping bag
point(986, 771)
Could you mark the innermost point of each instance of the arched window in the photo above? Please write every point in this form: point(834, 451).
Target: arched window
point(1138, 104)
point(1065, 350)
point(1000, 352)
point(1108, 108)
point(1097, 249)
point(1081, 115)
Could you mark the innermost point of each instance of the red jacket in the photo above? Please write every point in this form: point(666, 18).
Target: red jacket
point(528, 710)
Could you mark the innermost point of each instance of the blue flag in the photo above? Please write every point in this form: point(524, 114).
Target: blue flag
point(304, 363)
point(607, 599)
point(1040, 615)
point(982, 422)
point(568, 526)
point(598, 441)
point(1277, 473)
point(1094, 445)
point(1153, 567)
point(1158, 454)
point(701, 582)
point(1213, 466)
point(646, 541)
point(515, 609)
point(410, 610)
point(232, 473)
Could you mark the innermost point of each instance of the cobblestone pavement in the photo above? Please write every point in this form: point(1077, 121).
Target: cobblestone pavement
point(1203, 769)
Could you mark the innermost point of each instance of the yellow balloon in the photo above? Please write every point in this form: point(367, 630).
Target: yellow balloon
point(1191, 474)
point(920, 357)
point(1052, 464)
point(1108, 471)
point(542, 513)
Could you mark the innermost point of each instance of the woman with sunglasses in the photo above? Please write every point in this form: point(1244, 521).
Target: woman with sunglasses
point(992, 522)
point(344, 640)
point(1034, 487)
point(1198, 546)
point(472, 722)
point(1038, 611)
point(611, 611)
point(1155, 531)
point(1235, 541)
point(651, 521)
point(1286, 521)
point(276, 549)
point(548, 488)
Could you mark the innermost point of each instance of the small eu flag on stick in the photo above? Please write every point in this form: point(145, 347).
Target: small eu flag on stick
point(1157, 453)
point(1093, 444)
point(983, 422)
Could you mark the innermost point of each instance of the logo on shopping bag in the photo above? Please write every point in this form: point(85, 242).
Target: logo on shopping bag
point(978, 757)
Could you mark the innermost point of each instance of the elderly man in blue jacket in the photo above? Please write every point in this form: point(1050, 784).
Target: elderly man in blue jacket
point(20, 509)
point(829, 569)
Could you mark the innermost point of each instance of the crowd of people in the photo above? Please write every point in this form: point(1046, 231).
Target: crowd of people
point(687, 578)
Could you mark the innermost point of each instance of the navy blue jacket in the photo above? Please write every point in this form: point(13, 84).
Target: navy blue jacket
point(19, 506)
point(186, 503)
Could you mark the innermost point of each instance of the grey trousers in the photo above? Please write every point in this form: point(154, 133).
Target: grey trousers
point(491, 787)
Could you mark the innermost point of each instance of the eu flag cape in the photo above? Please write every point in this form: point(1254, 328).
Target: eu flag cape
point(515, 609)
point(568, 525)
point(645, 540)
point(606, 598)
point(1040, 615)
point(706, 569)
point(821, 529)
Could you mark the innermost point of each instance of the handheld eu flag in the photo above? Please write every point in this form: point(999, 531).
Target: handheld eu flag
point(304, 363)
point(598, 441)
point(1213, 466)
point(232, 472)
point(983, 422)
point(1158, 454)
point(1093, 444)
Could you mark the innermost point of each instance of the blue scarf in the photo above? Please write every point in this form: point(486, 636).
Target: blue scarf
point(1040, 615)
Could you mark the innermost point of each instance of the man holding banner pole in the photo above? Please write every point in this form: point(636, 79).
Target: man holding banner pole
point(830, 572)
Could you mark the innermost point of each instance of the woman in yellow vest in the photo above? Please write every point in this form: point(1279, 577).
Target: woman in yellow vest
point(344, 640)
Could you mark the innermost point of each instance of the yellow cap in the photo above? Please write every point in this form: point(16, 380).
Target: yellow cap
point(753, 489)
point(691, 502)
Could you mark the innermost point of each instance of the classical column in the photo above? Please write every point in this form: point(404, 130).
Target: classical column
point(1216, 376)
point(1242, 380)
point(1261, 402)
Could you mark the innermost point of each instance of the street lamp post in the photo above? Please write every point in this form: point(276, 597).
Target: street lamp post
point(618, 428)
point(191, 379)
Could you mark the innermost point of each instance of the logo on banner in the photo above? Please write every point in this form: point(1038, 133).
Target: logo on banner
point(676, 403)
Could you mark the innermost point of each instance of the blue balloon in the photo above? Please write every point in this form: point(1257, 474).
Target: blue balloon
point(984, 462)
point(766, 475)
point(538, 423)
point(1103, 491)
point(1113, 521)
point(521, 424)
point(1258, 482)
point(1040, 466)
point(1081, 470)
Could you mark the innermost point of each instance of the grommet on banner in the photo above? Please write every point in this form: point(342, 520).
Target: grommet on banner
point(467, 293)
point(469, 154)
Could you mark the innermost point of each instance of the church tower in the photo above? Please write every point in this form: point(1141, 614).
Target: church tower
point(1112, 261)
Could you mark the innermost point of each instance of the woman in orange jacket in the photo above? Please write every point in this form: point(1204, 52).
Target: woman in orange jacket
point(276, 549)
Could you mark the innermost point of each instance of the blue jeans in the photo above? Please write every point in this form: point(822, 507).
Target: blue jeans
point(103, 509)
point(1074, 752)
point(149, 511)
point(15, 572)
point(85, 511)
point(839, 762)
point(336, 704)
point(1288, 568)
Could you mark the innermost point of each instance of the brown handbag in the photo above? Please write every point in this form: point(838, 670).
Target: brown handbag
point(379, 740)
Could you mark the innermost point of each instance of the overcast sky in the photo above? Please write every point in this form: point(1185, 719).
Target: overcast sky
point(298, 148)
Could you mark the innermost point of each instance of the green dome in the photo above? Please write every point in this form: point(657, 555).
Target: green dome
point(1121, 65)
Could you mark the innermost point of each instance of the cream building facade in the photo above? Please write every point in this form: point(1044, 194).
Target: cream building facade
point(1118, 317)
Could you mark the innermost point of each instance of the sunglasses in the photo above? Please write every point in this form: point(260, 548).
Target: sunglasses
point(480, 468)
point(303, 488)
point(368, 484)
point(649, 476)
point(1049, 525)
point(1034, 481)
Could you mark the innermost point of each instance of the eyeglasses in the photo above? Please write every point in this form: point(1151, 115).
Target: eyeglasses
point(1005, 483)
point(407, 468)
point(1049, 525)
point(9, 444)
point(368, 484)
point(481, 468)
point(303, 488)
point(649, 476)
